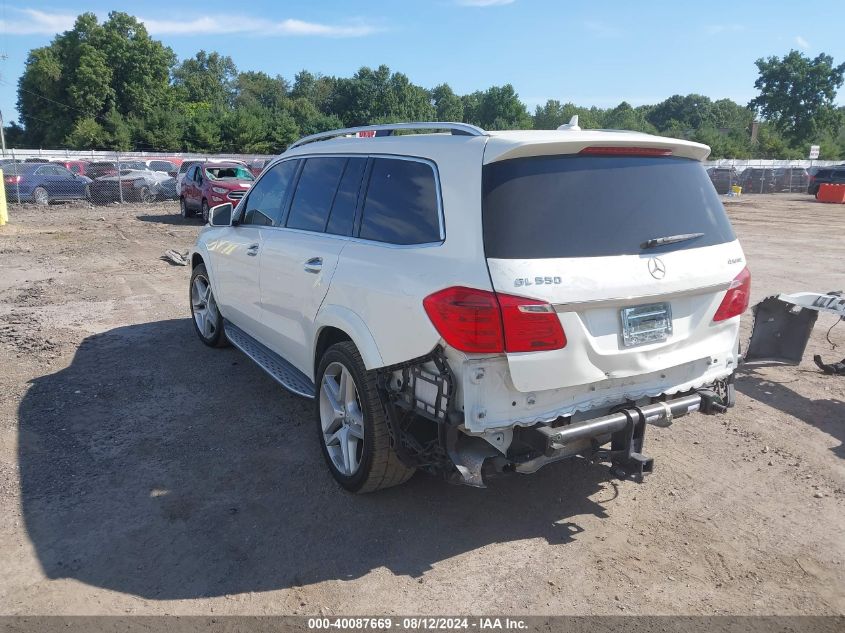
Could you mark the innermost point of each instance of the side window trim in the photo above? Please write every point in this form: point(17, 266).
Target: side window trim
point(294, 183)
point(362, 196)
point(336, 190)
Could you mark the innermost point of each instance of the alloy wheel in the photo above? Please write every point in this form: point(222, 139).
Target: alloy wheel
point(342, 419)
point(204, 307)
point(40, 196)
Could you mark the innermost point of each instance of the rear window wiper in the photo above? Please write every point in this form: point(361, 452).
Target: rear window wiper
point(670, 239)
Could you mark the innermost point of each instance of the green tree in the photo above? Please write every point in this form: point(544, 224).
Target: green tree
point(379, 96)
point(258, 89)
point(691, 111)
point(626, 117)
point(797, 95)
point(447, 105)
point(553, 114)
point(497, 108)
point(95, 73)
point(206, 78)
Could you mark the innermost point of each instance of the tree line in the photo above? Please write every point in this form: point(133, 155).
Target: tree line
point(111, 86)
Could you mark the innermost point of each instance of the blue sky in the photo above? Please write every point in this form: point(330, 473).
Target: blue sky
point(589, 53)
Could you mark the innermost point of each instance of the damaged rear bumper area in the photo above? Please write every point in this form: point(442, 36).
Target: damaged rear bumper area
point(428, 432)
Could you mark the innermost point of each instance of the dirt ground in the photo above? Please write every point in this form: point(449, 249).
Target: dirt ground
point(141, 472)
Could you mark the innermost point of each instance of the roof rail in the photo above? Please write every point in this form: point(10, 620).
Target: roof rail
point(462, 129)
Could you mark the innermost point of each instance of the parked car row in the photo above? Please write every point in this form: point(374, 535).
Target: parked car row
point(761, 179)
point(831, 175)
point(100, 182)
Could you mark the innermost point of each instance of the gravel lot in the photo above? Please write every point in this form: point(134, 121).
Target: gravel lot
point(141, 472)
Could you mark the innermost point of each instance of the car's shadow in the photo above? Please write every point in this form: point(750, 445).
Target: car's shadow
point(828, 415)
point(156, 466)
point(169, 218)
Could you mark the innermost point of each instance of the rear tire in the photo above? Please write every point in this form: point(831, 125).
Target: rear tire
point(183, 209)
point(40, 196)
point(352, 424)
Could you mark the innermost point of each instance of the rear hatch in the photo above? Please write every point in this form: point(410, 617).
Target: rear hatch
point(577, 231)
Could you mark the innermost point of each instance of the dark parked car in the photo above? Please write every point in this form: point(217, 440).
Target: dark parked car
point(141, 185)
point(758, 180)
point(110, 167)
point(723, 178)
point(792, 179)
point(43, 183)
point(209, 184)
point(833, 175)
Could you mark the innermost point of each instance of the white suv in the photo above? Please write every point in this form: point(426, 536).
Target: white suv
point(468, 302)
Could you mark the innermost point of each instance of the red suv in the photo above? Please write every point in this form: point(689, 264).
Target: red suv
point(209, 184)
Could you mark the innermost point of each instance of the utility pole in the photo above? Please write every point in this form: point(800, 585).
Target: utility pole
point(2, 135)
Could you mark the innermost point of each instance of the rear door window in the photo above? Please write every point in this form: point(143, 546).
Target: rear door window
point(401, 204)
point(265, 202)
point(315, 192)
point(594, 206)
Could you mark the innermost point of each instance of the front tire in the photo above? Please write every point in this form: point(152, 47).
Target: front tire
point(205, 211)
point(352, 424)
point(208, 322)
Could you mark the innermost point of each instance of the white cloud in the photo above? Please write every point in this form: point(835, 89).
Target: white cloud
point(718, 29)
point(34, 22)
point(802, 42)
point(484, 3)
point(602, 29)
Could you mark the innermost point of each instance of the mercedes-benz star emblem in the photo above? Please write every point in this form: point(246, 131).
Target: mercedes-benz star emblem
point(657, 268)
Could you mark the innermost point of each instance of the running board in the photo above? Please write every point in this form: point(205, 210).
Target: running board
point(281, 370)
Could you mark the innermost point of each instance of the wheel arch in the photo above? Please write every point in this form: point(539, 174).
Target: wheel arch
point(336, 323)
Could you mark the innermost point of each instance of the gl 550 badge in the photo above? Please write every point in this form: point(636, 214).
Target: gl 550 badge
point(536, 281)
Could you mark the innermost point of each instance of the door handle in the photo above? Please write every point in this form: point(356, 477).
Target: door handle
point(252, 250)
point(313, 265)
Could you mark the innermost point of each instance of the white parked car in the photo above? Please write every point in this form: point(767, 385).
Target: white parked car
point(475, 302)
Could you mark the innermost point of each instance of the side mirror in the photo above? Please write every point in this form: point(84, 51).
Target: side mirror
point(221, 215)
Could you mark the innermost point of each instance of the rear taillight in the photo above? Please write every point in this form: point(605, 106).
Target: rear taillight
point(599, 150)
point(530, 325)
point(480, 321)
point(12, 180)
point(736, 298)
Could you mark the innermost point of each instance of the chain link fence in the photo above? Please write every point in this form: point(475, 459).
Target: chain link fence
point(101, 177)
point(46, 176)
point(764, 175)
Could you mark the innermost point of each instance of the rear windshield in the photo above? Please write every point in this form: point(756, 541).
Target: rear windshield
point(594, 206)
